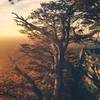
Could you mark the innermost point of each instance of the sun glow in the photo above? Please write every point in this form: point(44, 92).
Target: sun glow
point(7, 25)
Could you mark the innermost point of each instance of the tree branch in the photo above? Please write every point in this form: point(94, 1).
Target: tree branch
point(30, 80)
point(23, 22)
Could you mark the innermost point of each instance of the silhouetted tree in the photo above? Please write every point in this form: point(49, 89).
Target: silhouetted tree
point(53, 23)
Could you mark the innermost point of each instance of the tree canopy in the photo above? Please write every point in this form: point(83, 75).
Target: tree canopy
point(53, 25)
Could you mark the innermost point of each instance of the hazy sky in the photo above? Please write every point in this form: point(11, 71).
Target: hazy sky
point(7, 26)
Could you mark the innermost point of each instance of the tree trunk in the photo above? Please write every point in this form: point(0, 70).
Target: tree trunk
point(60, 91)
point(59, 77)
point(58, 60)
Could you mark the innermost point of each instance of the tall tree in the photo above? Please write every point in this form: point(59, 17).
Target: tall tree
point(53, 22)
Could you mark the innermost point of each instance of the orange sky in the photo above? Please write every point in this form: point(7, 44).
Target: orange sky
point(7, 26)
